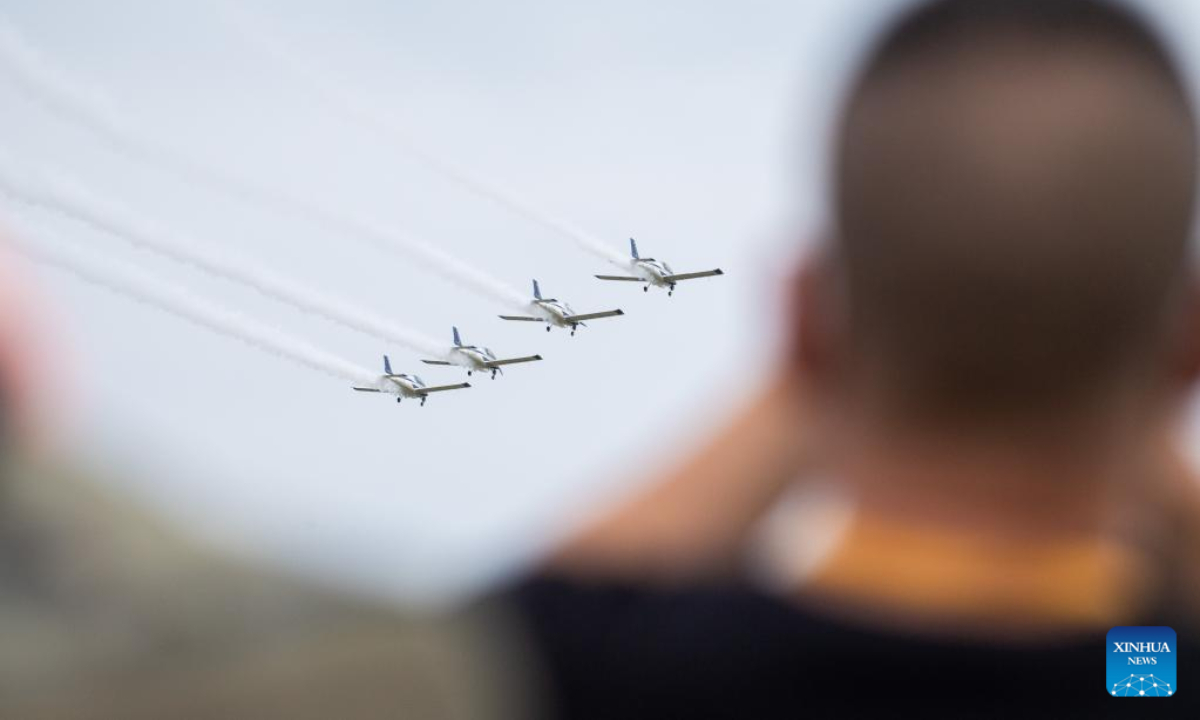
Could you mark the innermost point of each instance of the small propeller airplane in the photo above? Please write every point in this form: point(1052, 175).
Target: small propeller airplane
point(556, 313)
point(477, 359)
point(406, 386)
point(653, 272)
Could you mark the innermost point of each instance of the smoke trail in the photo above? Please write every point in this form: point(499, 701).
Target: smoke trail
point(76, 202)
point(330, 91)
point(89, 109)
point(134, 284)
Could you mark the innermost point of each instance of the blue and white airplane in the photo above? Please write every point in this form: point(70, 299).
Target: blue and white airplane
point(403, 385)
point(556, 313)
point(656, 273)
point(477, 359)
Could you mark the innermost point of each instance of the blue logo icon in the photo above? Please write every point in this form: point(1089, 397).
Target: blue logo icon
point(1141, 662)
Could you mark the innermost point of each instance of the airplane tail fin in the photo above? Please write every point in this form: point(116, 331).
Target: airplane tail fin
point(537, 291)
point(633, 249)
point(387, 366)
point(457, 339)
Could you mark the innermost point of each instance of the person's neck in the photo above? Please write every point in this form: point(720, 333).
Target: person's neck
point(1021, 489)
point(960, 532)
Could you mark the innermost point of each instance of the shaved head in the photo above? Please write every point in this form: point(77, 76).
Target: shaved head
point(1014, 195)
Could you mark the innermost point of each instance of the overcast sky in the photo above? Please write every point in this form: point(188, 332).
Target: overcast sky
point(696, 127)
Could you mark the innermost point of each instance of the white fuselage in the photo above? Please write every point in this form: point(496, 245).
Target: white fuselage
point(471, 357)
point(652, 271)
point(553, 313)
point(402, 385)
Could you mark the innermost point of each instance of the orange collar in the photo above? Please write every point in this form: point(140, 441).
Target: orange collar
point(888, 567)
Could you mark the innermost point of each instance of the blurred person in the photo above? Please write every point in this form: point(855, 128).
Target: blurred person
point(108, 612)
point(992, 352)
point(20, 356)
point(701, 519)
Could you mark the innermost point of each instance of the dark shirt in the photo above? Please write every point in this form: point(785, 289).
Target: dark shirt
point(730, 652)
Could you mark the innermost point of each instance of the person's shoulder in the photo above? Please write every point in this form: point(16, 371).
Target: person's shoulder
point(730, 650)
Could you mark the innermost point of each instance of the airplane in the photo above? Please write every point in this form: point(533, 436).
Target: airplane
point(477, 359)
point(557, 314)
point(406, 386)
point(653, 272)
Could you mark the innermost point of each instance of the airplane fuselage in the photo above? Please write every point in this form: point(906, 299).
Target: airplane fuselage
point(553, 313)
point(471, 357)
point(403, 385)
point(653, 272)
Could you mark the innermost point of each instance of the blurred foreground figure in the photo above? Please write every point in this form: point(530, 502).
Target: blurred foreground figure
point(991, 355)
point(106, 613)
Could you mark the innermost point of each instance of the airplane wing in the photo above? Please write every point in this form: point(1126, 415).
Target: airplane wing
point(625, 278)
point(522, 318)
point(368, 389)
point(594, 316)
point(440, 388)
point(435, 362)
point(693, 275)
point(514, 361)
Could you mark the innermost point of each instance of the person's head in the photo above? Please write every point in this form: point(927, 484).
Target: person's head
point(1013, 199)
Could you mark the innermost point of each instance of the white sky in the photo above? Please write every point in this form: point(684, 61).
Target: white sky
point(695, 127)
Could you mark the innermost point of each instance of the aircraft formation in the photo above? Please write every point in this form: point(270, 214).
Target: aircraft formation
point(551, 312)
point(79, 103)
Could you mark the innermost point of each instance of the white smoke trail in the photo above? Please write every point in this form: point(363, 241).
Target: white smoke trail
point(135, 284)
point(330, 90)
point(93, 111)
point(76, 202)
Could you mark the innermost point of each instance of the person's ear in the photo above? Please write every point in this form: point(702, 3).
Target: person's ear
point(817, 320)
point(1185, 346)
